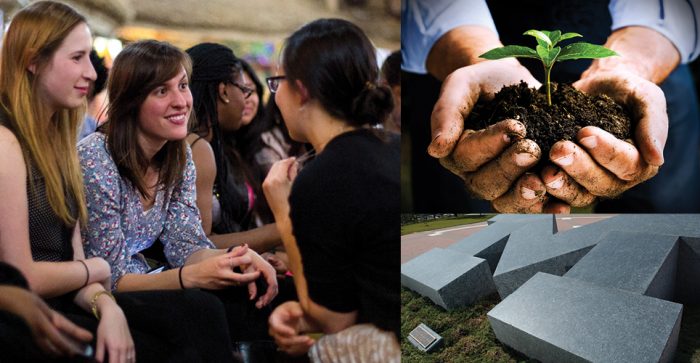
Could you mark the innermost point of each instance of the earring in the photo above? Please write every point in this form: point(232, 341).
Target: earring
point(226, 101)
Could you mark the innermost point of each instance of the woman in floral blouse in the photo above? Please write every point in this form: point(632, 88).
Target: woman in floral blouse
point(140, 187)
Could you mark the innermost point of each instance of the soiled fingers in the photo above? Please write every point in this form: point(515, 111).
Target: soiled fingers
point(580, 166)
point(496, 177)
point(561, 186)
point(476, 148)
point(528, 195)
point(617, 156)
point(554, 206)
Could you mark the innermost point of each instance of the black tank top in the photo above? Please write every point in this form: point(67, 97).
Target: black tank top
point(49, 237)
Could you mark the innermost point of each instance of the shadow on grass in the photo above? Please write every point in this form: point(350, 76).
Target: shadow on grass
point(468, 336)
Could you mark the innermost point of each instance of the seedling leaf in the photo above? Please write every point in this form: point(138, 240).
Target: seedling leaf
point(540, 36)
point(566, 36)
point(510, 51)
point(582, 50)
point(554, 36)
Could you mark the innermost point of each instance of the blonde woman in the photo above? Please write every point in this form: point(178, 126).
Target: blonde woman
point(45, 73)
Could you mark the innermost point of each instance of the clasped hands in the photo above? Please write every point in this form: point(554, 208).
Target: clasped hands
point(494, 162)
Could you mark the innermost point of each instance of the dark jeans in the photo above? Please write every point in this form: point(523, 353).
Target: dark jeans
point(167, 326)
point(246, 322)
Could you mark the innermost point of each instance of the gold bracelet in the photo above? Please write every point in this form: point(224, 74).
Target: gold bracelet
point(93, 302)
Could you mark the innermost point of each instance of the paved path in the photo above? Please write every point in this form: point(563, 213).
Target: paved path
point(418, 243)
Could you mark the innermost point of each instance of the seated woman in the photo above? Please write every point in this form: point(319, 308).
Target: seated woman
point(263, 138)
point(45, 74)
point(337, 218)
point(226, 188)
point(140, 187)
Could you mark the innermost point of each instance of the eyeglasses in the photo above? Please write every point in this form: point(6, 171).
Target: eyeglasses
point(247, 91)
point(273, 83)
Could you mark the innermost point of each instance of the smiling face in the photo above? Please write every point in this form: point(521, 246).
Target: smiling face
point(251, 103)
point(64, 82)
point(164, 113)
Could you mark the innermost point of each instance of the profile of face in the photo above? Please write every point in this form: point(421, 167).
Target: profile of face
point(251, 103)
point(291, 106)
point(231, 104)
point(164, 113)
point(65, 80)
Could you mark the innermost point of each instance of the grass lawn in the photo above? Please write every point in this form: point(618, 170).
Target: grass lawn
point(442, 223)
point(467, 335)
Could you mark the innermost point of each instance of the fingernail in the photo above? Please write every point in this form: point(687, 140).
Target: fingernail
point(589, 142)
point(565, 160)
point(506, 138)
point(528, 193)
point(556, 183)
point(436, 136)
point(523, 159)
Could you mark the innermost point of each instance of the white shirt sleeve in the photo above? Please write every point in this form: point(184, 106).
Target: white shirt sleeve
point(423, 22)
point(677, 20)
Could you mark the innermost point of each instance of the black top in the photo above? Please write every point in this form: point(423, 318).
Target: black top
point(345, 217)
point(49, 237)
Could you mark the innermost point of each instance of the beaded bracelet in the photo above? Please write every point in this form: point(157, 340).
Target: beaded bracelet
point(87, 278)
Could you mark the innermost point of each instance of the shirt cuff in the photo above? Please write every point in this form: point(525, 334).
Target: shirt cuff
point(677, 20)
point(423, 22)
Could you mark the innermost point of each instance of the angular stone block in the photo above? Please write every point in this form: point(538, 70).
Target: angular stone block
point(560, 319)
point(533, 248)
point(449, 278)
point(637, 262)
point(489, 242)
point(688, 274)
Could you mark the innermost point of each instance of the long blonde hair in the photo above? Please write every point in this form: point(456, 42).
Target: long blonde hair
point(34, 35)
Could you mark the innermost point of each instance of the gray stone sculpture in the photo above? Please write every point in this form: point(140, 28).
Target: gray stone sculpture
point(608, 291)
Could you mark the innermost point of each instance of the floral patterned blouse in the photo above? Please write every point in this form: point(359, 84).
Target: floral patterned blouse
point(118, 228)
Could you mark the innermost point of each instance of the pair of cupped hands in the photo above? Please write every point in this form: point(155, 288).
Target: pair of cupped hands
point(494, 162)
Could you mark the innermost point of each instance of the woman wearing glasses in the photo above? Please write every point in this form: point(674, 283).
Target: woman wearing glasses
point(337, 217)
point(226, 187)
point(263, 139)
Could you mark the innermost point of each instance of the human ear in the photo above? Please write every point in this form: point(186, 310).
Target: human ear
point(32, 68)
point(303, 91)
point(223, 93)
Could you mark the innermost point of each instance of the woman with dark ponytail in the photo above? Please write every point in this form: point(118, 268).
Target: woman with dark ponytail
point(338, 214)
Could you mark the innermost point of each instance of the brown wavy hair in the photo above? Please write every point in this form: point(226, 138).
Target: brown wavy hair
point(34, 35)
point(139, 69)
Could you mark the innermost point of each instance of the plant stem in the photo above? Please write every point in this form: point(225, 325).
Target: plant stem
point(549, 92)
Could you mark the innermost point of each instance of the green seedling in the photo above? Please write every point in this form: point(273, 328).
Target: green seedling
point(548, 52)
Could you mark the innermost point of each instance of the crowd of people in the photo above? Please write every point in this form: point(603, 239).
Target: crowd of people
point(191, 218)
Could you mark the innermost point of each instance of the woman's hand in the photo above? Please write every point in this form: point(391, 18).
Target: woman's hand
point(259, 264)
point(286, 325)
point(52, 332)
point(217, 272)
point(278, 263)
point(278, 185)
point(113, 336)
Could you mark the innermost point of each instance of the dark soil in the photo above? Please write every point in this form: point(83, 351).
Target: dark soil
point(570, 111)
